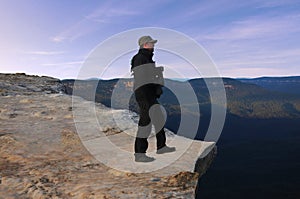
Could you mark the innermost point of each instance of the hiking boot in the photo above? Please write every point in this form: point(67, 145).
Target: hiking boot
point(142, 157)
point(165, 149)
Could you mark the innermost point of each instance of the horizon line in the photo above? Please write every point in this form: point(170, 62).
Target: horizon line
point(172, 78)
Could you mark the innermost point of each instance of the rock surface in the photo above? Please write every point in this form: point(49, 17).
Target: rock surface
point(42, 155)
point(20, 83)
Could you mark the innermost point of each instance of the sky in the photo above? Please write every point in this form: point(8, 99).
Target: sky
point(251, 38)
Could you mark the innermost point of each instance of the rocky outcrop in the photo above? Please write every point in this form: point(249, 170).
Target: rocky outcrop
point(20, 83)
point(44, 155)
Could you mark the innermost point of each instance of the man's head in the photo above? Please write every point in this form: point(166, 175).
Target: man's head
point(147, 42)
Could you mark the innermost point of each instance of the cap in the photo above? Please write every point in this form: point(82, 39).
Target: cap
point(146, 39)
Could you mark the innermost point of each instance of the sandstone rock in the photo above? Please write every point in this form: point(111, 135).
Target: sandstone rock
point(20, 83)
point(42, 155)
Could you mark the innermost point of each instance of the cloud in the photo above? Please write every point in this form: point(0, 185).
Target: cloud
point(256, 27)
point(210, 8)
point(238, 35)
point(265, 42)
point(58, 39)
point(45, 52)
point(261, 63)
point(277, 3)
point(75, 31)
point(64, 63)
point(107, 13)
point(200, 13)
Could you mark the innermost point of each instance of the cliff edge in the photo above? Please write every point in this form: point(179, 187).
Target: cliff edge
point(48, 150)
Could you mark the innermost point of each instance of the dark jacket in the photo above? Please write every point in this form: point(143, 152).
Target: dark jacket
point(148, 91)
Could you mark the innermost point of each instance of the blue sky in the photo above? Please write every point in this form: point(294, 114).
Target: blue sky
point(244, 38)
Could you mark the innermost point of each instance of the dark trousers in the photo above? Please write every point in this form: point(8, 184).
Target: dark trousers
point(145, 125)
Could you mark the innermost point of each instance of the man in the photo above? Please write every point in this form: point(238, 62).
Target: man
point(146, 93)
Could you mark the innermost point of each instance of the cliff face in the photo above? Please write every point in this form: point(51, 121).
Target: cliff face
point(42, 155)
point(22, 84)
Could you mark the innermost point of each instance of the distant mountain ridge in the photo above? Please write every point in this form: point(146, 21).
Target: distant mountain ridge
point(244, 99)
point(290, 84)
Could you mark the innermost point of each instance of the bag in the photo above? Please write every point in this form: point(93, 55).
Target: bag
point(148, 74)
